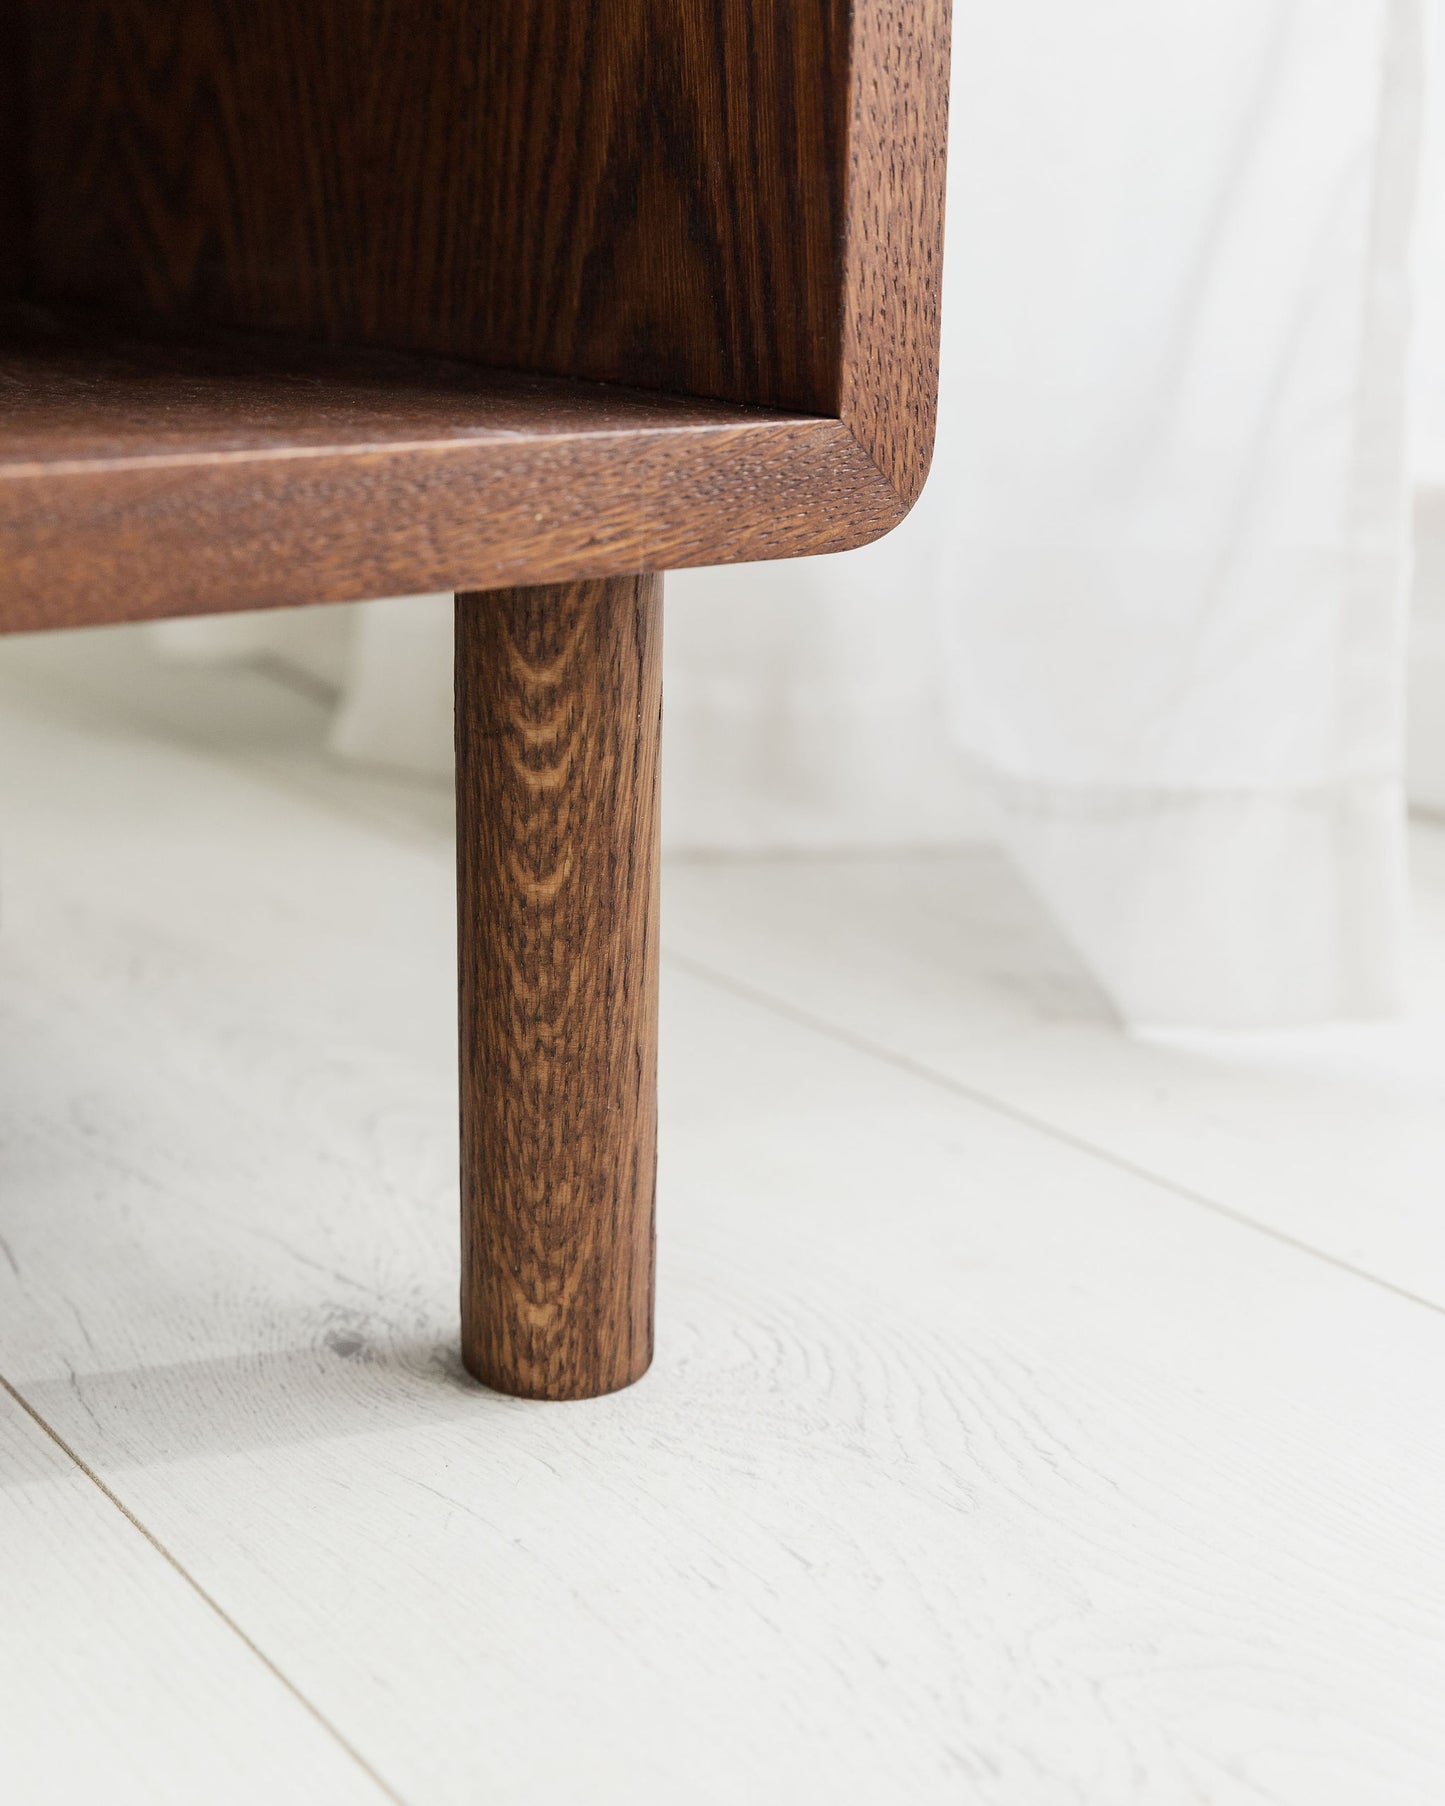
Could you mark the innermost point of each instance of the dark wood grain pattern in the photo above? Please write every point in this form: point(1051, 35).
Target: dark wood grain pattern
point(559, 696)
point(140, 479)
point(644, 191)
point(730, 199)
point(892, 277)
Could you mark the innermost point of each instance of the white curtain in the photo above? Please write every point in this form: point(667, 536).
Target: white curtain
point(1148, 620)
point(1176, 591)
point(1426, 744)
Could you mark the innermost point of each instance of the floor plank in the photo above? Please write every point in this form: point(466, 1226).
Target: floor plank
point(1333, 1137)
point(117, 1681)
point(971, 1466)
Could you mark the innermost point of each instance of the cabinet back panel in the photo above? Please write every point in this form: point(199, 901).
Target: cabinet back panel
point(647, 191)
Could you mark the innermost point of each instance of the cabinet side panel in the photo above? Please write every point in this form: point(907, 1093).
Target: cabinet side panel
point(893, 263)
point(648, 191)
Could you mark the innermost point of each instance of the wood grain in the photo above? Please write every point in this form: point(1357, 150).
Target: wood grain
point(739, 200)
point(141, 477)
point(82, 395)
point(631, 190)
point(559, 704)
point(891, 283)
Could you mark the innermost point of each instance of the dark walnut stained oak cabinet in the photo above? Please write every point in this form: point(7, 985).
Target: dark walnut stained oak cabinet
point(533, 300)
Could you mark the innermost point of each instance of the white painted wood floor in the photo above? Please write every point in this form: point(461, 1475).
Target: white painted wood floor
point(1039, 1415)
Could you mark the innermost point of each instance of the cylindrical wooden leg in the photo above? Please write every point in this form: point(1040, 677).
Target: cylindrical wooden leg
point(559, 702)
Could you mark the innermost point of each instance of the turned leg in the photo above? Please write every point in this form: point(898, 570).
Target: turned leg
point(558, 712)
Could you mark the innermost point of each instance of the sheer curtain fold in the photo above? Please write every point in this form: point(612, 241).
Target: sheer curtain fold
point(1175, 591)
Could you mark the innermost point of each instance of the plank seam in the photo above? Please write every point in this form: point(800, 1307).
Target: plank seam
point(200, 1592)
point(1025, 1119)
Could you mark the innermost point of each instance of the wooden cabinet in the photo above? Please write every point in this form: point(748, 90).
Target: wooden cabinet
point(533, 300)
